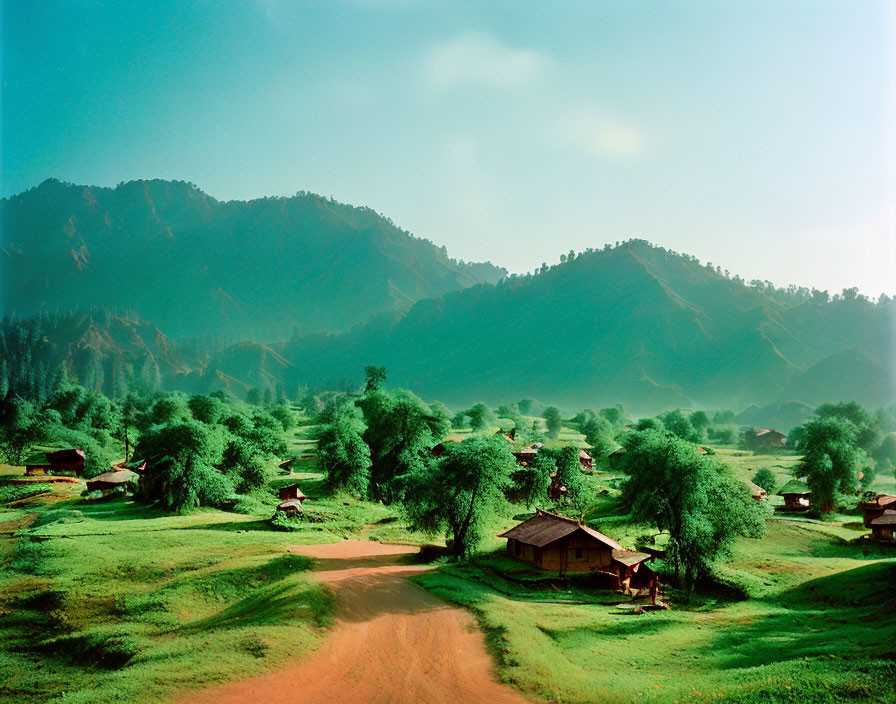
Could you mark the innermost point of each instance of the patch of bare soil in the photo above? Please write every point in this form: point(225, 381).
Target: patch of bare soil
point(392, 642)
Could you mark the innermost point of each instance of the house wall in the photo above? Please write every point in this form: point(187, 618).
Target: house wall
point(571, 554)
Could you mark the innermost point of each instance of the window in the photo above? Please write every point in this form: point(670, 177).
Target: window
point(580, 553)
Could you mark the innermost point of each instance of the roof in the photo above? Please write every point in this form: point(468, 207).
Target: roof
point(545, 528)
point(629, 558)
point(794, 486)
point(299, 493)
point(888, 519)
point(764, 431)
point(880, 501)
point(755, 489)
point(291, 503)
point(70, 454)
point(122, 476)
point(584, 455)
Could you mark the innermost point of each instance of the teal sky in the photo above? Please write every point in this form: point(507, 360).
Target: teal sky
point(756, 135)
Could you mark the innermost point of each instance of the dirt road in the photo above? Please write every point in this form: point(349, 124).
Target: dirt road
point(392, 642)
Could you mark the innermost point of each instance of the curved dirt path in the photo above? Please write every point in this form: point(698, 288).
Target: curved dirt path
point(392, 642)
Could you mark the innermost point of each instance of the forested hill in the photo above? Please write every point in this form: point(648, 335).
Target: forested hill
point(194, 266)
point(634, 324)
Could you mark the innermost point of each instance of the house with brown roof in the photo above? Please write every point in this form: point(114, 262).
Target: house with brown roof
point(764, 439)
point(876, 508)
point(120, 480)
point(564, 545)
point(63, 462)
point(883, 528)
point(756, 491)
point(291, 500)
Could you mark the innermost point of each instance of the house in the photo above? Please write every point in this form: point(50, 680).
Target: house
point(67, 461)
point(561, 544)
point(121, 480)
point(556, 490)
point(291, 491)
point(756, 491)
point(527, 454)
point(796, 496)
point(585, 460)
point(763, 439)
point(883, 527)
point(877, 507)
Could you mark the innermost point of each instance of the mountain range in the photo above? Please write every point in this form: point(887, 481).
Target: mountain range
point(196, 266)
point(635, 323)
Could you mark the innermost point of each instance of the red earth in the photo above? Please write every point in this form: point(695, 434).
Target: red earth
point(391, 642)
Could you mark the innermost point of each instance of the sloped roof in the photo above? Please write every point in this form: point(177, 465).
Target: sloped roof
point(794, 486)
point(545, 528)
point(755, 489)
point(888, 519)
point(880, 501)
point(122, 476)
point(291, 503)
point(630, 558)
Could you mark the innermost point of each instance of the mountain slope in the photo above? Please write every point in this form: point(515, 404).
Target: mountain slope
point(260, 269)
point(635, 324)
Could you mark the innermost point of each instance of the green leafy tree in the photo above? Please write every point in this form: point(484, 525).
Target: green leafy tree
point(696, 498)
point(723, 418)
point(831, 460)
point(580, 493)
point(700, 421)
point(284, 415)
point(867, 434)
point(207, 409)
point(766, 479)
point(680, 426)
point(525, 406)
point(649, 424)
point(553, 421)
point(481, 417)
point(599, 434)
point(460, 493)
point(22, 426)
point(184, 455)
point(374, 377)
point(531, 482)
point(342, 452)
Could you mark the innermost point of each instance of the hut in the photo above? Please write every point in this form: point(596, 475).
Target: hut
point(883, 528)
point(527, 454)
point(764, 439)
point(876, 507)
point(561, 544)
point(37, 463)
point(291, 491)
point(556, 490)
point(585, 460)
point(121, 480)
point(796, 496)
point(292, 507)
point(68, 462)
point(756, 491)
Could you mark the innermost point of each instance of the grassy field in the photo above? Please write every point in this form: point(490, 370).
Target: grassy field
point(805, 614)
point(115, 602)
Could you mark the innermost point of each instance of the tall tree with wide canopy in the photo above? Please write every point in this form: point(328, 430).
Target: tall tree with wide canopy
point(831, 460)
point(343, 453)
point(459, 493)
point(696, 498)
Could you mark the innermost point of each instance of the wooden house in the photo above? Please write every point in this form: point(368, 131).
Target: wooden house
point(796, 496)
point(764, 439)
point(883, 528)
point(291, 491)
point(586, 460)
point(877, 507)
point(527, 454)
point(121, 480)
point(564, 545)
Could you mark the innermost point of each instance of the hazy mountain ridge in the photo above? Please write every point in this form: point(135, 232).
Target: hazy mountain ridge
point(194, 265)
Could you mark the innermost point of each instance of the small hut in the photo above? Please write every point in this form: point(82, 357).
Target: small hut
point(68, 462)
point(764, 439)
point(876, 508)
point(756, 491)
point(562, 544)
point(796, 496)
point(292, 507)
point(585, 460)
point(122, 480)
point(883, 528)
point(291, 491)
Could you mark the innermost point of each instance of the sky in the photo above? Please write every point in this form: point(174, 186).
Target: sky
point(757, 136)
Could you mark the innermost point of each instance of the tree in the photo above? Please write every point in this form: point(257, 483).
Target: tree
point(885, 453)
point(699, 420)
point(458, 494)
point(696, 498)
point(680, 426)
point(206, 409)
point(401, 430)
point(284, 415)
point(531, 482)
point(374, 378)
point(766, 479)
point(343, 453)
point(866, 430)
point(553, 421)
point(580, 495)
point(21, 426)
point(184, 455)
point(525, 406)
point(831, 461)
point(599, 434)
point(481, 417)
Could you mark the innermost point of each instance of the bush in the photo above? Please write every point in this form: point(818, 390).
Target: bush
point(60, 515)
point(766, 479)
point(16, 492)
point(106, 648)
